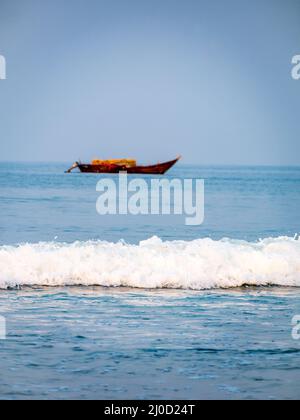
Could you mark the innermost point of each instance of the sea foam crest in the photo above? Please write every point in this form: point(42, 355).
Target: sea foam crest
point(198, 264)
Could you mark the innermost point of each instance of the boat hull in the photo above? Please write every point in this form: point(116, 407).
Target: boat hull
point(158, 169)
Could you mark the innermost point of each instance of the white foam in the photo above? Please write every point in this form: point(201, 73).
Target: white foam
point(199, 264)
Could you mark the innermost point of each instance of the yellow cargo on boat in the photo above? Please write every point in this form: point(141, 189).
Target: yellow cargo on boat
point(121, 162)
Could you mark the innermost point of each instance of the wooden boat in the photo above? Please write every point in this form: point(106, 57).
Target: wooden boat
point(114, 168)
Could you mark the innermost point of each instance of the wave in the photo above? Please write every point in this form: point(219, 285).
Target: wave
point(199, 264)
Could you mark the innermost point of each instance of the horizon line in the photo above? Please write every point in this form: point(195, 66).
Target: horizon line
point(178, 164)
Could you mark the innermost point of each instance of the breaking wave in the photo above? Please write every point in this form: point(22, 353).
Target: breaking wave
point(199, 264)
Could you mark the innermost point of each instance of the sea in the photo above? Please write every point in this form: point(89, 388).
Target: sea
point(130, 307)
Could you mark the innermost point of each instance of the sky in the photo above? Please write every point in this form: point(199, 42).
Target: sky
point(150, 79)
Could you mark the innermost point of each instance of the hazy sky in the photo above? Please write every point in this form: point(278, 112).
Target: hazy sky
point(208, 79)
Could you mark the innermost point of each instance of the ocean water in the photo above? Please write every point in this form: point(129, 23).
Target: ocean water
point(147, 307)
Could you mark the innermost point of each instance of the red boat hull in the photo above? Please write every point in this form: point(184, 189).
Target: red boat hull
point(158, 169)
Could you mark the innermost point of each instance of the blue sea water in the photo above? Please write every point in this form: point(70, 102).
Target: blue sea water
point(192, 331)
point(40, 203)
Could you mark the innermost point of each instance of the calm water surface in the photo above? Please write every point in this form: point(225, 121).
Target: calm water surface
point(109, 343)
